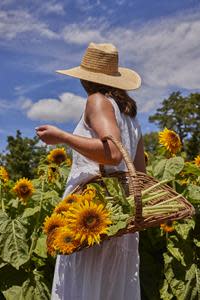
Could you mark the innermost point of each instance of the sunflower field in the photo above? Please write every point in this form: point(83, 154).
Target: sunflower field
point(29, 209)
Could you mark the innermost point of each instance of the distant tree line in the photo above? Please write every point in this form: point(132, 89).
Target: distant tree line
point(178, 113)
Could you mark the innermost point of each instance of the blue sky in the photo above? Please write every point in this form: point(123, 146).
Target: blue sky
point(158, 38)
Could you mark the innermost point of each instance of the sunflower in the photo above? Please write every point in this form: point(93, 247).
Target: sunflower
point(53, 173)
point(23, 188)
point(68, 162)
point(57, 156)
point(167, 227)
point(170, 140)
point(197, 161)
point(50, 241)
point(64, 241)
point(89, 193)
point(52, 222)
point(61, 207)
point(3, 175)
point(88, 221)
point(72, 198)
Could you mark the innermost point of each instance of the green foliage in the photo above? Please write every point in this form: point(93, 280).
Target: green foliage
point(22, 156)
point(169, 261)
point(181, 114)
point(175, 260)
point(26, 270)
point(151, 142)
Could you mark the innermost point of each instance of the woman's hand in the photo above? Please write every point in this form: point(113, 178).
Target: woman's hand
point(49, 134)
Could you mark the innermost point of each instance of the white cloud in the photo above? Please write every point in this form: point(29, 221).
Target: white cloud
point(15, 22)
point(52, 8)
point(165, 52)
point(84, 34)
point(68, 107)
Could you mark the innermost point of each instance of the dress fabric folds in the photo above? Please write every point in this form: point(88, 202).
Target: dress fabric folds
point(109, 271)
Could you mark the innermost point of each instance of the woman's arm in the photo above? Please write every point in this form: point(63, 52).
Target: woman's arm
point(139, 161)
point(100, 116)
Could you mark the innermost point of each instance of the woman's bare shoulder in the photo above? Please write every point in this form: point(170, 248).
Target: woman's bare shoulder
point(98, 102)
point(99, 111)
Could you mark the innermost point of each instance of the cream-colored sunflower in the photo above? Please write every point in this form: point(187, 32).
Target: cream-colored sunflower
point(170, 140)
point(57, 156)
point(64, 241)
point(52, 222)
point(197, 161)
point(88, 220)
point(24, 189)
point(4, 177)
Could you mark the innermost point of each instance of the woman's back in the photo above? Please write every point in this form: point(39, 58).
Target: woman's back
point(83, 168)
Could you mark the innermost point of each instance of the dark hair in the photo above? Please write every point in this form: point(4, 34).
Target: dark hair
point(125, 103)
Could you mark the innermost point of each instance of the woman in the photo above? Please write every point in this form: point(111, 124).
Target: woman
point(109, 271)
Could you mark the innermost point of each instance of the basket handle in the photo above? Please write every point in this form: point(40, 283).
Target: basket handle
point(134, 184)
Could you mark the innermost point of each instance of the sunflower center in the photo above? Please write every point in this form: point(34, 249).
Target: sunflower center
point(91, 221)
point(70, 200)
point(58, 158)
point(24, 189)
point(67, 239)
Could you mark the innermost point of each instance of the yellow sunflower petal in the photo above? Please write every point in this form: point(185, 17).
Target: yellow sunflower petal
point(170, 140)
point(4, 177)
point(88, 220)
point(52, 222)
point(24, 189)
point(57, 156)
point(197, 160)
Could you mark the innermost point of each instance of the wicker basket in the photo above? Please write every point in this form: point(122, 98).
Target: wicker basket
point(133, 183)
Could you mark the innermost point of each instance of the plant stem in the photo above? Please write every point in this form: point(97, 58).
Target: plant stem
point(37, 225)
point(154, 186)
point(1, 197)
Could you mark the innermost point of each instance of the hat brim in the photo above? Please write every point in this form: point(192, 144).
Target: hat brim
point(126, 79)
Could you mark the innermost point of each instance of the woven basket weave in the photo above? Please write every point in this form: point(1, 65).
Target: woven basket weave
point(133, 183)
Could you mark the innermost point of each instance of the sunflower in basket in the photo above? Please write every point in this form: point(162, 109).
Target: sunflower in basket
point(82, 220)
point(88, 221)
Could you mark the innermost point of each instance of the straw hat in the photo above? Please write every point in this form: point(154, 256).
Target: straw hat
point(100, 65)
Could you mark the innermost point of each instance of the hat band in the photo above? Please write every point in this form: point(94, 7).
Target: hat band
point(100, 71)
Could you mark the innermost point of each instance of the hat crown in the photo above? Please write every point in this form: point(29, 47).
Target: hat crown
point(101, 58)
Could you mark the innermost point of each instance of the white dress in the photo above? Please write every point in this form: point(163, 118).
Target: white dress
point(109, 271)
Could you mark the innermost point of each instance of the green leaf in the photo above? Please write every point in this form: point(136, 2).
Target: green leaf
point(116, 191)
point(41, 248)
point(113, 229)
point(34, 288)
point(197, 242)
point(194, 194)
point(29, 212)
point(183, 229)
point(13, 293)
point(176, 252)
point(192, 287)
point(159, 168)
point(191, 169)
point(173, 167)
point(13, 243)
